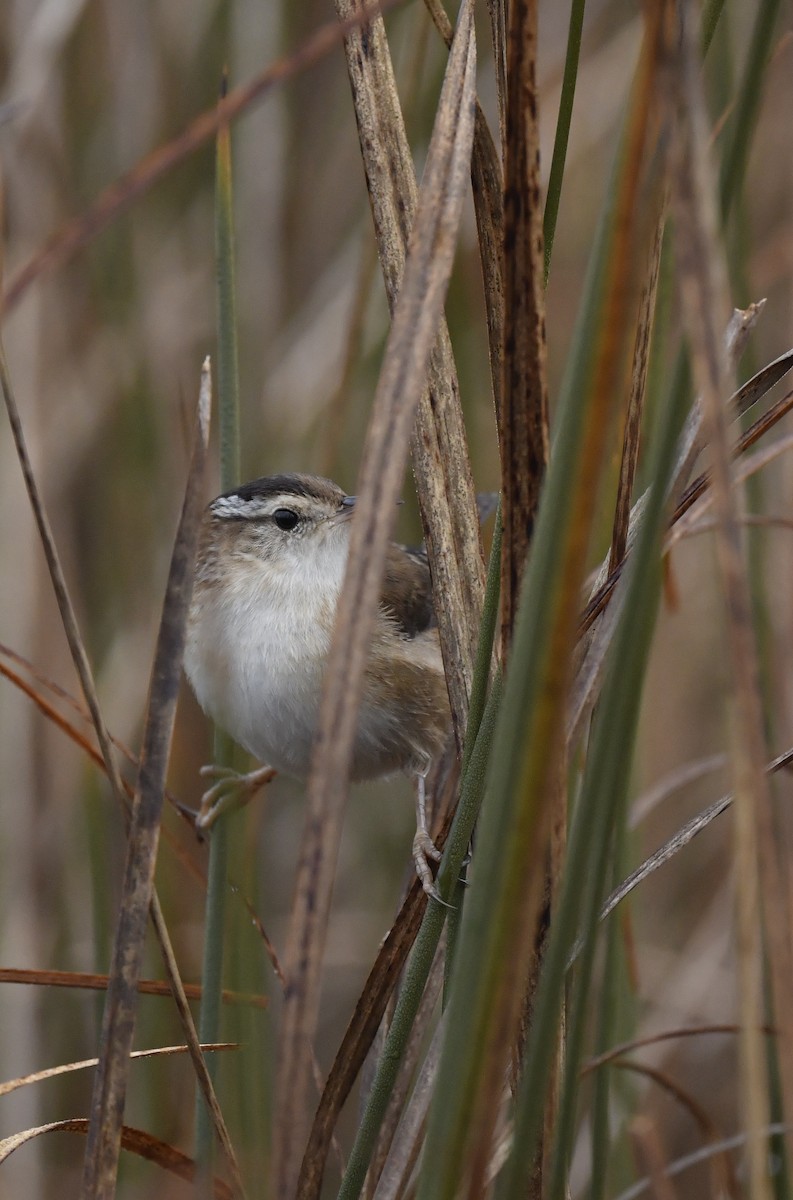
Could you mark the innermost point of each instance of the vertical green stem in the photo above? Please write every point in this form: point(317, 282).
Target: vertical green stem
point(476, 709)
point(228, 410)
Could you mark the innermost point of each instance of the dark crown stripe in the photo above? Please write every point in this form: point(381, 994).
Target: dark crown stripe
point(273, 485)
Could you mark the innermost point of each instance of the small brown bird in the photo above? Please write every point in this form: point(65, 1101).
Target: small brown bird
point(270, 568)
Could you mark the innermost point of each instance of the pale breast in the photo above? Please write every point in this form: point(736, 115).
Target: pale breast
point(256, 653)
point(255, 664)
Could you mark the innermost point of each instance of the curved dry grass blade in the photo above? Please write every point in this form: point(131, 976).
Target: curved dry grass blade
point(402, 380)
point(680, 839)
point(439, 445)
point(129, 187)
point(697, 1157)
point(666, 1035)
point(740, 326)
point(102, 1148)
point(58, 579)
point(11, 1085)
point(673, 781)
point(136, 1141)
point(755, 388)
point(760, 427)
point(724, 1181)
point(738, 330)
point(523, 416)
point(753, 463)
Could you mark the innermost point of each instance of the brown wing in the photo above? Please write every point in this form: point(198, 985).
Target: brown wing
point(407, 590)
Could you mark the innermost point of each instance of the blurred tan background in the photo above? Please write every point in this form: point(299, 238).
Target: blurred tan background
point(105, 353)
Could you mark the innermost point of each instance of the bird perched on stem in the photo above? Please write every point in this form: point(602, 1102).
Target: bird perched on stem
point(269, 572)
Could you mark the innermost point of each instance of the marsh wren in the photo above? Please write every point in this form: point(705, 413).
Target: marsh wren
point(270, 568)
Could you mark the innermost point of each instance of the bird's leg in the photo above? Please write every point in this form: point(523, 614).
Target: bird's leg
point(423, 845)
point(233, 790)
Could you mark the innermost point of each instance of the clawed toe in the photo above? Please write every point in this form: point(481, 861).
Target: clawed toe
point(232, 790)
point(424, 849)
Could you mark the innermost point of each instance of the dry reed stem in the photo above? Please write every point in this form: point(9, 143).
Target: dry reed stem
point(488, 191)
point(100, 1163)
point(439, 446)
point(704, 291)
point(523, 414)
point(402, 380)
point(369, 1010)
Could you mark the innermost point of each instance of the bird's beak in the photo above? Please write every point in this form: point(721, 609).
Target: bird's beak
point(346, 510)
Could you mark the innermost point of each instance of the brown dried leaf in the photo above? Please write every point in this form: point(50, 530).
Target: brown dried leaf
point(523, 414)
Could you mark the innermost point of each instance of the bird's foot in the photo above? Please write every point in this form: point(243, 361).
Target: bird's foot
point(425, 849)
point(231, 791)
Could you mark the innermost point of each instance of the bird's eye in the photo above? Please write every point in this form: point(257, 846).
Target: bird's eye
point(285, 519)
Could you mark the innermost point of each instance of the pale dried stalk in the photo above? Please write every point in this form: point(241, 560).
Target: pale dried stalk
point(704, 291)
point(402, 380)
point(439, 446)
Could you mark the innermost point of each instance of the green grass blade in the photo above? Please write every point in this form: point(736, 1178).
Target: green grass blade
point(228, 413)
point(602, 797)
point(505, 894)
point(564, 120)
point(476, 710)
point(736, 154)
